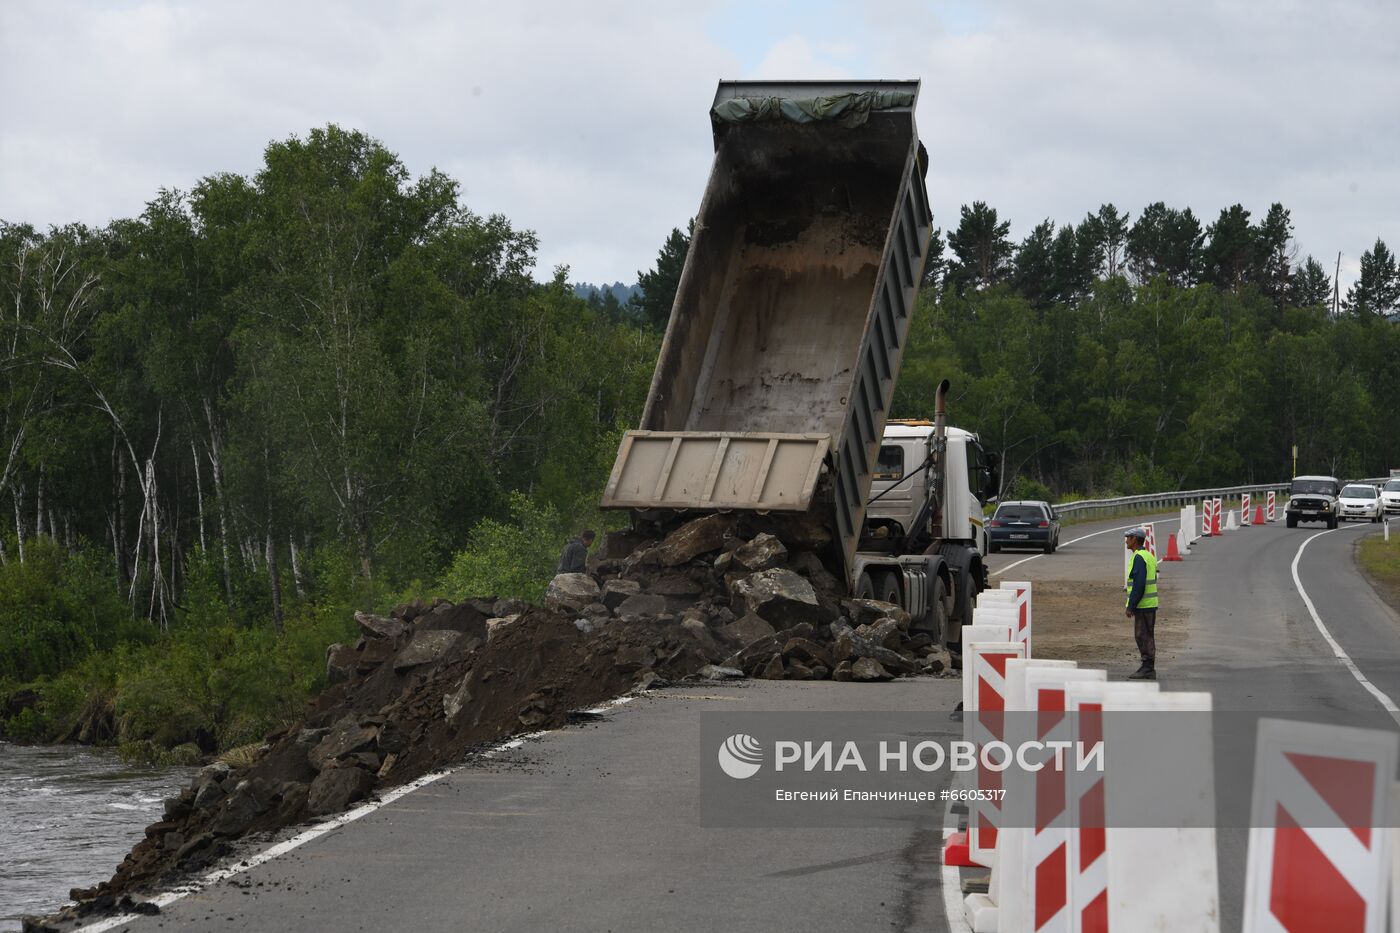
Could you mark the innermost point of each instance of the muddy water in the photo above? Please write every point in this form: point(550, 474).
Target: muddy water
point(68, 815)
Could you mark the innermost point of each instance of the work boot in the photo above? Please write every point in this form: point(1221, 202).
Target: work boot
point(1147, 671)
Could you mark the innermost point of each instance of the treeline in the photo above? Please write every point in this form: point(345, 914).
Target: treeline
point(1124, 355)
point(316, 382)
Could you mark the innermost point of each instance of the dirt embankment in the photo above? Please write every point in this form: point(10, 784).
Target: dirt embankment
point(1084, 622)
point(719, 596)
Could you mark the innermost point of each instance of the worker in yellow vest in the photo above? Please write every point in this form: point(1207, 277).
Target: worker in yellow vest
point(1141, 585)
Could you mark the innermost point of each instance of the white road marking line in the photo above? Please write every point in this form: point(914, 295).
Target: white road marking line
point(952, 880)
point(320, 829)
point(997, 573)
point(1341, 655)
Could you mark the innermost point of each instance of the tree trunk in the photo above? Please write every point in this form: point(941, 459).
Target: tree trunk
point(297, 580)
point(216, 464)
point(19, 519)
point(39, 505)
point(274, 580)
point(119, 529)
point(198, 492)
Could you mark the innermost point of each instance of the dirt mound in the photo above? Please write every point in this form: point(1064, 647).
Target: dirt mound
point(718, 596)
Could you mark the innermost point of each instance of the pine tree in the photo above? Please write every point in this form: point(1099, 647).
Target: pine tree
point(1230, 256)
point(1310, 286)
point(982, 247)
point(1035, 268)
point(657, 288)
point(1273, 253)
point(936, 265)
point(1377, 288)
point(1166, 242)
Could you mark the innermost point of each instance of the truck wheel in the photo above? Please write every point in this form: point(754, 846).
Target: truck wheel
point(1291, 521)
point(864, 588)
point(887, 588)
point(1332, 522)
point(938, 623)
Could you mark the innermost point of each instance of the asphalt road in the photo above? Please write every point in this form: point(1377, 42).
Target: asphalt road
point(597, 827)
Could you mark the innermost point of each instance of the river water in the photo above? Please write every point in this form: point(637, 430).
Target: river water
point(68, 815)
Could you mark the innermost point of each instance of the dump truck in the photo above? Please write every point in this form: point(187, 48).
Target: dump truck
point(779, 363)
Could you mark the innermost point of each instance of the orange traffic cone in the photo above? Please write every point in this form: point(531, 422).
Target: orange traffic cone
point(1172, 552)
point(1259, 515)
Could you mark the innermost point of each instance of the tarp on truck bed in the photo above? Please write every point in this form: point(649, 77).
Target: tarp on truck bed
point(846, 109)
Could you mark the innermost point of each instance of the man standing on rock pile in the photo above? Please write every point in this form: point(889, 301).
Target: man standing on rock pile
point(1142, 602)
point(575, 556)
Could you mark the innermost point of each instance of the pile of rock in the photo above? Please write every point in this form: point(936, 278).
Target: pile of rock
point(761, 607)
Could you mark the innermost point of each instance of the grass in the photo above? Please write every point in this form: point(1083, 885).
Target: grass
point(1380, 561)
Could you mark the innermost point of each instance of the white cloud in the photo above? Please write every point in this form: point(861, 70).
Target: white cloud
point(586, 122)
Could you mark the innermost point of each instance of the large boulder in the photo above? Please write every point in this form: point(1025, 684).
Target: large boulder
point(374, 626)
point(345, 738)
point(641, 606)
point(615, 591)
point(341, 661)
point(249, 800)
point(811, 567)
point(869, 669)
point(494, 627)
point(426, 648)
point(871, 611)
point(807, 652)
point(569, 593)
point(694, 538)
point(763, 552)
point(447, 617)
point(780, 597)
point(336, 788)
point(746, 629)
point(851, 646)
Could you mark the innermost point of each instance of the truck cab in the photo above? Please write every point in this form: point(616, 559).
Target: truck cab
point(924, 541)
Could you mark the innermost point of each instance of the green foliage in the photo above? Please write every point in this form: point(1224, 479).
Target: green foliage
point(515, 558)
point(56, 608)
point(659, 285)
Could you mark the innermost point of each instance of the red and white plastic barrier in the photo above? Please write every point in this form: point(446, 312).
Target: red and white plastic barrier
point(1022, 592)
point(983, 911)
point(1087, 874)
point(1318, 859)
point(1244, 509)
point(1269, 506)
point(986, 662)
point(1160, 878)
point(1042, 904)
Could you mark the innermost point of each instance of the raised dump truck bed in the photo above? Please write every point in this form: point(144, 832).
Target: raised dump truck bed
point(790, 320)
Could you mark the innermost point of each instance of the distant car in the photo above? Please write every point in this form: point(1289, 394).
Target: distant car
point(1390, 497)
point(1359, 500)
point(1026, 524)
point(1312, 499)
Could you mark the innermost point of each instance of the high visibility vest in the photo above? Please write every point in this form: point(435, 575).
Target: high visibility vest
point(1149, 593)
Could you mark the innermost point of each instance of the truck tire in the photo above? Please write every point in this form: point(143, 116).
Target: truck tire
point(865, 589)
point(887, 587)
point(1291, 521)
point(1332, 522)
point(935, 625)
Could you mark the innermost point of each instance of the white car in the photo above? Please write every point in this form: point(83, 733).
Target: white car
point(1390, 497)
point(1359, 500)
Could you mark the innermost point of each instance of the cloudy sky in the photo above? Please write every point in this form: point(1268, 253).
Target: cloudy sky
point(587, 121)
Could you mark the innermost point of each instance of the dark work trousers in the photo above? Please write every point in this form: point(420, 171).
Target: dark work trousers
point(1144, 630)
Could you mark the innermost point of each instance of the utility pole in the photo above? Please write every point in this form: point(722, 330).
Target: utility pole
point(1337, 287)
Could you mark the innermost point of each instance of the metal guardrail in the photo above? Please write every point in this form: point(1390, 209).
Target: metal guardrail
point(1183, 497)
